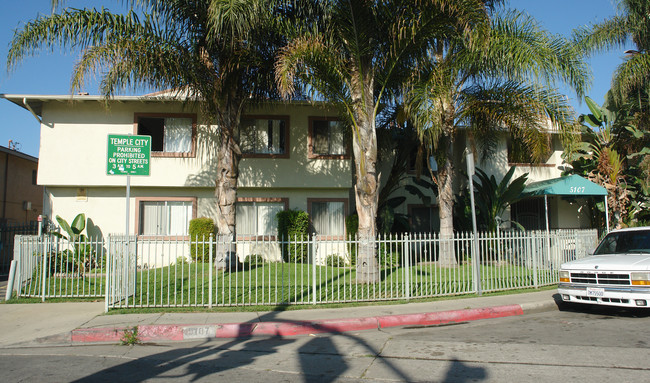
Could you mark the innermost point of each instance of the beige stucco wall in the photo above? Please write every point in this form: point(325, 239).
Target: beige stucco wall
point(105, 207)
point(74, 145)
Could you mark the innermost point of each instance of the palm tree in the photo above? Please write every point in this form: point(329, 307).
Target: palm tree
point(355, 54)
point(491, 88)
point(219, 54)
point(631, 80)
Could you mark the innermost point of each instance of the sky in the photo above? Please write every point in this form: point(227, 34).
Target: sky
point(49, 72)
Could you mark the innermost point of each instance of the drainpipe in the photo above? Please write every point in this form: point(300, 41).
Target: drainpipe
point(31, 110)
point(4, 202)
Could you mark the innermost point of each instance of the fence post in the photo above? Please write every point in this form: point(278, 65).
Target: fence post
point(534, 256)
point(108, 276)
point(475, 264)
point(210, 271)
point(313, 267)
point(18, 254)
point(407, 259)
point(43, 262)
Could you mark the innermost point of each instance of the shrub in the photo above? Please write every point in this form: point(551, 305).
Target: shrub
point(352, 228)
point(253, 259)
point(334, 260)
point(200, 231)
point(293, 225)
point(388, 257)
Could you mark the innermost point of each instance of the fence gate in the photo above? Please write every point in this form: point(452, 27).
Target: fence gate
point(7, 233)
point(122, 270)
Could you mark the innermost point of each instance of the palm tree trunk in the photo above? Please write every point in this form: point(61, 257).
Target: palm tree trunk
point(366, 188)
point(229, 155)
point(447, 256)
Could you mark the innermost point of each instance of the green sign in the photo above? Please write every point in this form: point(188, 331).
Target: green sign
point(128, 155)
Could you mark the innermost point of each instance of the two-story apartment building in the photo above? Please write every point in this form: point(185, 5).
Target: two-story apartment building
point(295, 156)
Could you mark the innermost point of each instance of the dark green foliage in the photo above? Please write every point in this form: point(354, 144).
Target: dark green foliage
point(293, 229)
point(462, 211)
point(253, 259)
point(82, 257)
point(493, 198)
point(200, 231)
point(352, 228)
point(334, 260)
point(388, 257)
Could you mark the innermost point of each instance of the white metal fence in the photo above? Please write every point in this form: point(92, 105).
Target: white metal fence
point(138, 272)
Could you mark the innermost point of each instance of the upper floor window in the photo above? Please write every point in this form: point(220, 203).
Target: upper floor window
point(261, 136)
point(327, 138)
point(172, 135)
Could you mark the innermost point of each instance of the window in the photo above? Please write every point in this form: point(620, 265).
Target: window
point(165, 217)
point(257, 217)
point(328, 217)
point(424, 219)
point(171, 135)
point(264, 136)
point(34, 177)
point(327, 138)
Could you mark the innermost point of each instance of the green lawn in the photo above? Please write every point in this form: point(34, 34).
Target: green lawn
point(291, 283)
point(286, 283)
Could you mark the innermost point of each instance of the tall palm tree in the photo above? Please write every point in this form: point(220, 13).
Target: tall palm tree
point(355, 54)
point(499, 86)
point(632, 24)
point(220, 53)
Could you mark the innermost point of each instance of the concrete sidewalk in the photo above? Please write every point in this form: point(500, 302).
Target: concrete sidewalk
point(70, 323)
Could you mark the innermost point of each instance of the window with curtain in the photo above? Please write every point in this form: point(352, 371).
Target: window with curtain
point(327, 137)
point(258, 218)
point(168, 134)
point(263, 136)
point(165, 218)
point(328, 218)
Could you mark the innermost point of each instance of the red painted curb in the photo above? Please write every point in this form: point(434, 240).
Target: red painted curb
point(148, 333)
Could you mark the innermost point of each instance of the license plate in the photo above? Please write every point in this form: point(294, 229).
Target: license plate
point(595, 292)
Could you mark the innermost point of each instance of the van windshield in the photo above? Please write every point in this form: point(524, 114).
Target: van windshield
point(625, 242)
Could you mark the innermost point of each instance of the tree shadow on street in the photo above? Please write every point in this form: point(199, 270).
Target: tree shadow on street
point(319, 359)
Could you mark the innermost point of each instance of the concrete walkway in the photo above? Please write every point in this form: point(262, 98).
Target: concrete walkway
point(69, 323)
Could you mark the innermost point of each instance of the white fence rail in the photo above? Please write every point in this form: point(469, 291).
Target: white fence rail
point(138, 272)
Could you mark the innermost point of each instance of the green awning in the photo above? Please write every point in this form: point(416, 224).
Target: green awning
point(572, 185)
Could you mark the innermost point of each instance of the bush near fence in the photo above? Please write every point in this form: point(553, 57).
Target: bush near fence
point(293, 228)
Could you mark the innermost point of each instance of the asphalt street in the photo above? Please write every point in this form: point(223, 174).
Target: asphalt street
point(578, 344)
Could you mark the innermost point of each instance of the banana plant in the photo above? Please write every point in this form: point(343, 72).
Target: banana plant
point(73, 231)
point(81, 258)
point(493, 198)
